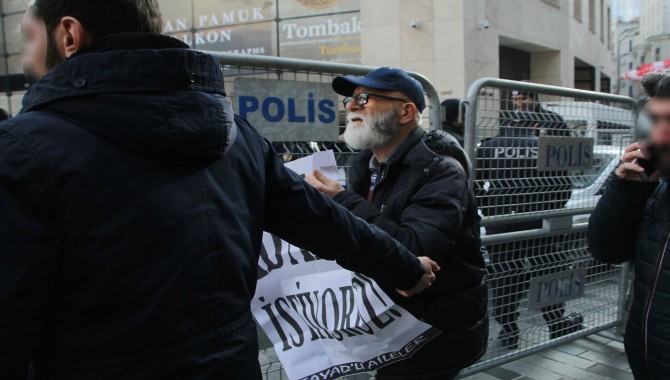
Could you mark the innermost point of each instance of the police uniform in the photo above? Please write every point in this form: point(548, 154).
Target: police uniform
point(508, 183)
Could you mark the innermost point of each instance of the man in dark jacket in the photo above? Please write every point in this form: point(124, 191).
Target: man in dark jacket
point(133, 204)
point(508, 183)
point(529, 113)
point(414, 186)
point(631, 223)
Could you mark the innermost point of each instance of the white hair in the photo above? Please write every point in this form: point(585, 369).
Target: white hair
point(418, 118)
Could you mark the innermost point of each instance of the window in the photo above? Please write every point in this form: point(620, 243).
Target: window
point(578, 9)
point(630, 66)
point(592, 15)
point(657, 54)
point(642, 59)
point(630, 91)
point(630, 46)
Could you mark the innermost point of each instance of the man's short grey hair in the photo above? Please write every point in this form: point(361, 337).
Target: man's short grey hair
point(418, 117)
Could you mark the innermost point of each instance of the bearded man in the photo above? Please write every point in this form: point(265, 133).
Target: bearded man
point(414, 185)
point(630, 223)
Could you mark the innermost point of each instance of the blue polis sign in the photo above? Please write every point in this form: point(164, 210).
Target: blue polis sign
point(288, 110)
point(565, 153)
point(556, 288)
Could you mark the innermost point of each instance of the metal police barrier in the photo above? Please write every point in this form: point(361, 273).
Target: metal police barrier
point(291, 103)
point(542, 157)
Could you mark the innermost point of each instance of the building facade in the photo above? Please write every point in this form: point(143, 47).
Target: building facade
point(654, 30)
point(452, 42)
point(650, 40)
point(559, 42)
point(626, 55)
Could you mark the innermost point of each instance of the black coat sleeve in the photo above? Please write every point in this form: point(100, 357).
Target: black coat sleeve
point(432, 220)
point(299, 214)
point(28, 247)
point(614, 224)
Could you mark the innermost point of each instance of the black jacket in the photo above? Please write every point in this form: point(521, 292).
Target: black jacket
point(631, 223)
point(508, 182)
point(543, 122)
point(455, 131)
point(133, 203)
point(424, 201)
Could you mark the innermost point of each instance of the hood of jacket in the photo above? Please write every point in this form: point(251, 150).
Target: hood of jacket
point(148, 93)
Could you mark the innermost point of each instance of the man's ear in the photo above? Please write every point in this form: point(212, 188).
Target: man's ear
point(407, 113)
point(71, 36)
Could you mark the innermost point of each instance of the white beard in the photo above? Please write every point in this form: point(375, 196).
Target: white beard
point(374, 131)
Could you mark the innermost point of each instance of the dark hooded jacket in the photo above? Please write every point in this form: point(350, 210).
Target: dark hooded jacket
point(630, 222)
point(133, 203)
point(424, 201)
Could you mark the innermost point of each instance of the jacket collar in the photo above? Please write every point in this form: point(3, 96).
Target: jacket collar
point(406, 153)
point(149, 64)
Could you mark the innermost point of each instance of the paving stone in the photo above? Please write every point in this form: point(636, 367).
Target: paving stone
point(563, 369)
point(572, 360)
point(572, 349)
point(599, 339)
point(618, 360)
point(503, 373)
point(610, 372)
point(593, 345)
point(617, 345)
point(480, 376)
point(531, 371)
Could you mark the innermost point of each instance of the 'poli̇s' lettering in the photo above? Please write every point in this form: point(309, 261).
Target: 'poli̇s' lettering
point(274, 109)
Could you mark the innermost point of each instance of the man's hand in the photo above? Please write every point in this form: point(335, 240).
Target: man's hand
point(629, 169)
point(426, 280)
point(324, 184)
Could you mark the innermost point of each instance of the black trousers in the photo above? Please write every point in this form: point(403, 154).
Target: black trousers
point(510, 278)
point(426, 364)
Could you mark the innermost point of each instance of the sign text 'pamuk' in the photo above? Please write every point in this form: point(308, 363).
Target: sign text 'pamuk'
point(288, 111)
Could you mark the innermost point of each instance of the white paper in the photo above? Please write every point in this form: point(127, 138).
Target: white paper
point(326, 322)
point(323, 161)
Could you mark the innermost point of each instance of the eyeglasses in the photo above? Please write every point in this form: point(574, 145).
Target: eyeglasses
point(362, 99)
point(657, 118)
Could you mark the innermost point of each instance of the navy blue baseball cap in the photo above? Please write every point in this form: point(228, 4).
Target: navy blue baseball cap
point(385, 79)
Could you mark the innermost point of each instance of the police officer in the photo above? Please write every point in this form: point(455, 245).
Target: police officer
point(509, 183)
point(528, 111)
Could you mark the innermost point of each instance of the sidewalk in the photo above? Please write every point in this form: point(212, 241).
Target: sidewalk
point(590, 358)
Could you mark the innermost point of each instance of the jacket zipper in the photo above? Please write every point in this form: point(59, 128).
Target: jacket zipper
point(647, 306)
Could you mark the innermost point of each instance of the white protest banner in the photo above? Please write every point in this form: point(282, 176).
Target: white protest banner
point(326, 322)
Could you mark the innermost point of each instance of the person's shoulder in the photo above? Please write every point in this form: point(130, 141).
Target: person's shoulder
point(29, 123)
point(253, 140)
point(446, 147)
point(489, 142)
point(551, 115)
point(25, 127)
point(18, 137)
